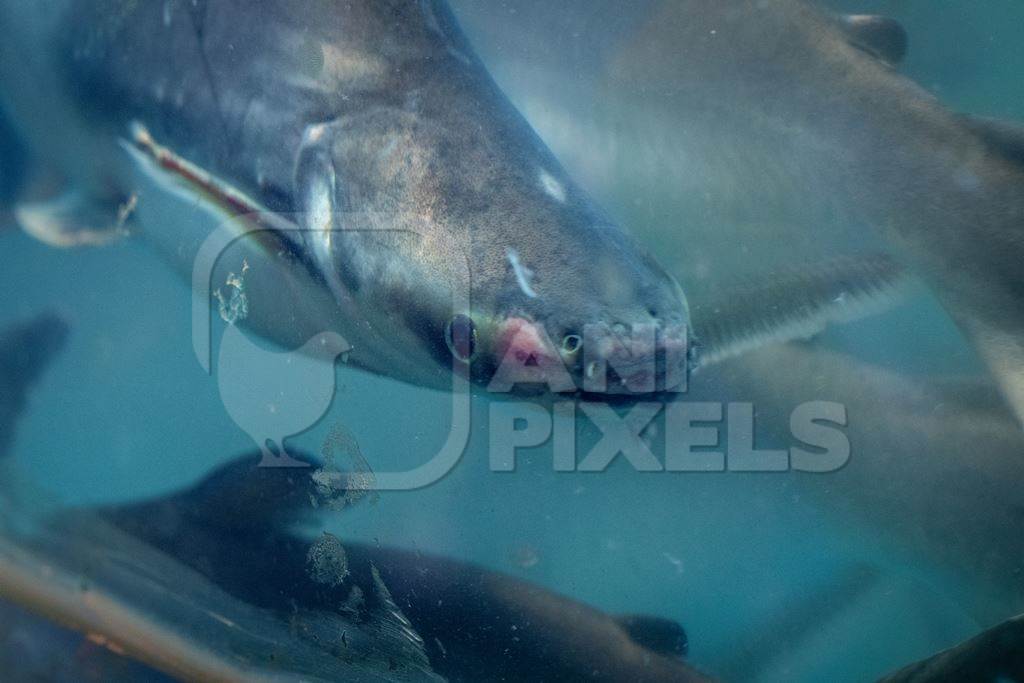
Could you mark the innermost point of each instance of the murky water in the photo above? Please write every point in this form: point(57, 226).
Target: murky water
point(911, 545)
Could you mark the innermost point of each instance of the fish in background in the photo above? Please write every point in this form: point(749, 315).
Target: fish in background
point(239, 597)
point(475, 624)
point(85, 574)
point(211, 584)
point(934, 470)
point(773, 130)
point(230, 531)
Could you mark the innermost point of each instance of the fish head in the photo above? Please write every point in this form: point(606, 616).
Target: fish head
point(550, 295)
point(579, 309)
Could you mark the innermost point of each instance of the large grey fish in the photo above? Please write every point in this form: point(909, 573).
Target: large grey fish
point(323, 111)
point(399, 177)
point(771, 127)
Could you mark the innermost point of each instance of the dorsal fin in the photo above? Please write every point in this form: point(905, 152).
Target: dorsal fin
point(879, 36)
point(237, 497)
point(664, 636)
point(1005, 138)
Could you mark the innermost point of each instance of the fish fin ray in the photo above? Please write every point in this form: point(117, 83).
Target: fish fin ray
point(882, 37)
point(76, 219)
point(795, 305)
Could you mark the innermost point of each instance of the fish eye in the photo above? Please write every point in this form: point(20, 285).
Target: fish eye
point(571, 343)
point(460, 335)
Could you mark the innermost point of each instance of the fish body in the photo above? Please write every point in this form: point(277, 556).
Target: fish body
point(934, 465)
point(475, 624)
point(404, 174)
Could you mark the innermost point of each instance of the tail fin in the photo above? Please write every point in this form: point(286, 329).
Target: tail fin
point(664, 636)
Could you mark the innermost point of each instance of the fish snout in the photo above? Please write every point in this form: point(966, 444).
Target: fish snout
point(598, 358)
point(642, 358)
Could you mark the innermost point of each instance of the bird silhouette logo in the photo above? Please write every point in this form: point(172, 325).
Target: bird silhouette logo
point(273, 395)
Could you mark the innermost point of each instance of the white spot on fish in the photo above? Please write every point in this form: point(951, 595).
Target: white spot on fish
point(554, 188)
point(327, 561)
point(167, 13)
point(523, 274)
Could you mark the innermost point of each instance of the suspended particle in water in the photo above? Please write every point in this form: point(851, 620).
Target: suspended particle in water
point(234, 307)
point(326, 561)
point(337, 489)
point(525, 556)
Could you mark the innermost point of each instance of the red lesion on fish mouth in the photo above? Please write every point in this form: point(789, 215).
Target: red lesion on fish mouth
point(527, 341)
point(615, 363)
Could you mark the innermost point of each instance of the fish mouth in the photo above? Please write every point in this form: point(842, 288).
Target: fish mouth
point(639, 360)
point(598, 362)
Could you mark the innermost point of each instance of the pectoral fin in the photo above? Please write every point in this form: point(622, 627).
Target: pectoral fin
point(794, 305)
point(76, 219)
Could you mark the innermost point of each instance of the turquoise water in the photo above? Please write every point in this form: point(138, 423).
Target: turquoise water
point(757, 567)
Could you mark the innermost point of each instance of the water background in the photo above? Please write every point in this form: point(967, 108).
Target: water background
point(126, 412)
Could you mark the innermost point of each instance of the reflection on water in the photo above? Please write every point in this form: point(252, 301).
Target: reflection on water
point(806, 189)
